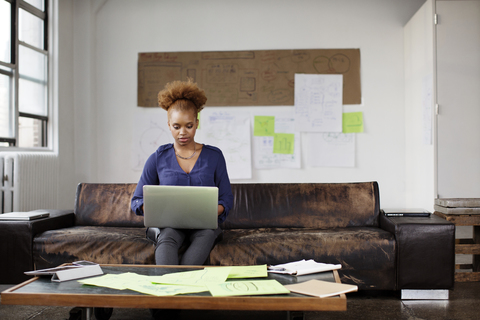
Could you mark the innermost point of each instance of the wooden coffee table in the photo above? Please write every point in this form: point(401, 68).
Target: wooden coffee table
point(42, 291)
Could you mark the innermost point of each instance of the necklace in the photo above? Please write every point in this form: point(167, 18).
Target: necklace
point(186, 158)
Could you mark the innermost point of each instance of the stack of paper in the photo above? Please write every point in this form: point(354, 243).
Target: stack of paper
point(303, 267)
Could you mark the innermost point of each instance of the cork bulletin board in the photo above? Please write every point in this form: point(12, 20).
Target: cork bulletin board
point(246, 78)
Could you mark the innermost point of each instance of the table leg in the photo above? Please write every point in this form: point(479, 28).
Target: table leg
point(295, 315)
point(79, 313)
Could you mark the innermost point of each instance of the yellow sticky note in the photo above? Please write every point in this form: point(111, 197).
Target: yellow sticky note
point(352, 122)
point(264, 126)
point(198, 118)
point(283, 143)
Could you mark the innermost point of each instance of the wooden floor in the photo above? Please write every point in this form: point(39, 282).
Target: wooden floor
point(463, 304)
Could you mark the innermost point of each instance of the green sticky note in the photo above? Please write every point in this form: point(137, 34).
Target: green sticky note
point(352, 122)
point(283, 143)
point(264, 126)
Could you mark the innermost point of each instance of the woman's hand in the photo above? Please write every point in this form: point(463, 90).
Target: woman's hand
point(220, 209)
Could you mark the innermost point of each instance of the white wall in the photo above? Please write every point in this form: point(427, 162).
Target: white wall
point(419, 155)
point(63, 117)
point(108, 35)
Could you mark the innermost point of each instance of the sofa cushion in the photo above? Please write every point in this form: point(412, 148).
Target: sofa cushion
point(304, 205)
point(106, 245)
point(105, 204)
point(367, 255)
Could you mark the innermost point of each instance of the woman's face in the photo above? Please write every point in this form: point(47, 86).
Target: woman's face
point(183, 125)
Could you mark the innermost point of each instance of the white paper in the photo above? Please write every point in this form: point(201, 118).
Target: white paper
point(318, 102)
point(303, 267)
point(331, 150)
point(150, 131)
point(230, 132)
point(263, 156)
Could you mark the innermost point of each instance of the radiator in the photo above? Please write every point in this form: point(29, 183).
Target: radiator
point(29, 181)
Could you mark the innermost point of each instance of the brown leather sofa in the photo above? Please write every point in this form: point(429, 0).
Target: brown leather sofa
point(271, 224)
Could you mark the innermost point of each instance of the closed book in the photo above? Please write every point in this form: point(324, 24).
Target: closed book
point(406, 213)
point(322, 289)
point(24, 216)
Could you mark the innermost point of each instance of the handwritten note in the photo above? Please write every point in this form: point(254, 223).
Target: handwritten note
point(150, 133)
point(247, 288)
point(229, 131)
point(140, 283)
point(352, 122)
point(264, 155)
point(264, 126)
point(318, 102)
point(194, 278)
point(283, 143)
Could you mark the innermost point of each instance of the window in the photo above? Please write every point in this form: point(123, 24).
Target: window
point(23, 73)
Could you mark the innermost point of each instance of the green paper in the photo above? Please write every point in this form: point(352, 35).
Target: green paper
point(248, 272)
point(247, 288)
point(194, 278)
point(283, 143)
point(114, 281)
point(164, 290)
point(264, 126)
point(140, 283)
point(352, 122)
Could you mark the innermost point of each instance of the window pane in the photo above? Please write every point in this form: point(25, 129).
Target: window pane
point(5, 31)
point(40, 4)
point(32, 83)
point(30, 133)
point(33, 64)
point(32, 97)
point(6, 112)
point(30, 29)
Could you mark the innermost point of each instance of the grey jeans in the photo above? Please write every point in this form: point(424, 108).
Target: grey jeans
point(168, 242)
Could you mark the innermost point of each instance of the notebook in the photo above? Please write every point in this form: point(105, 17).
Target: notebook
point(24, 216)
point(180, 207)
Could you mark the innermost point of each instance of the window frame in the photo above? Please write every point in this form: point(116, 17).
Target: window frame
point(14, 66)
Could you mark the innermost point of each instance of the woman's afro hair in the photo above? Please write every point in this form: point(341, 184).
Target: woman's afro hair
point(182, 90)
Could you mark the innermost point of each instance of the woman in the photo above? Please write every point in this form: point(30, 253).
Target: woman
point(184, 163)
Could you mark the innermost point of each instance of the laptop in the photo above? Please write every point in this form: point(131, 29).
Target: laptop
point(24, 216)
point(180, 207)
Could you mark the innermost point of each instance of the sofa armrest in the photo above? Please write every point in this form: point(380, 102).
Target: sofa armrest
point(425, 251)
point(16, 238)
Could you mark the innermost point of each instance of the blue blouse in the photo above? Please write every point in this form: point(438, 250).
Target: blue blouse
point(162, 168)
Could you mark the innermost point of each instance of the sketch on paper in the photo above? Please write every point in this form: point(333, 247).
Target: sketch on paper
point(247, 78)
point(150, 132)
point(230, 132)
point(263, 154)
point(318, 103)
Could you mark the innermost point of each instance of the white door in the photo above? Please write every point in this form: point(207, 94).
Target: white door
point(458, 97)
